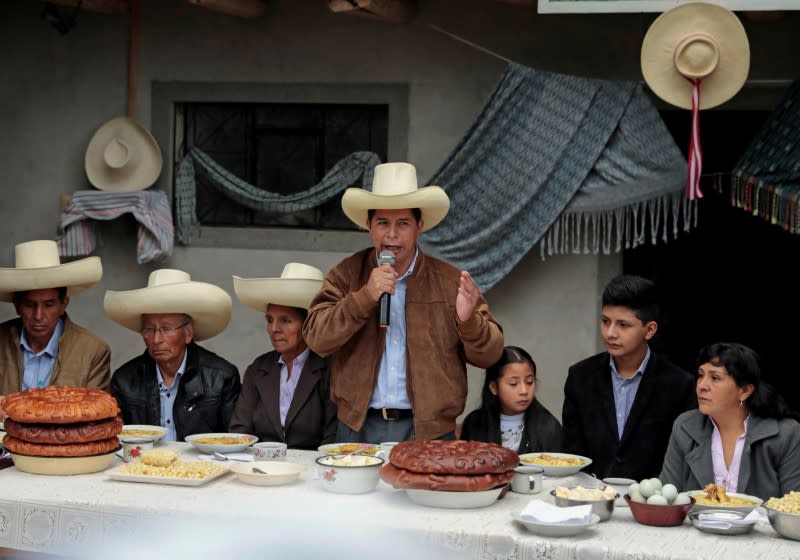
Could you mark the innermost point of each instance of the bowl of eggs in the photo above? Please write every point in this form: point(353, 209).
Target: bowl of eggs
point(657, 504)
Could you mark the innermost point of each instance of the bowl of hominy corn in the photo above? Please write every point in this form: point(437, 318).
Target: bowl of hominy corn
point(784, 515)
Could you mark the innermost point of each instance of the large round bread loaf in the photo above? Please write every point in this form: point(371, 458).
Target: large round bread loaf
point(60, 405)
point(402, 478)
point(15, 445)
point(79, 432)
point(453, 457)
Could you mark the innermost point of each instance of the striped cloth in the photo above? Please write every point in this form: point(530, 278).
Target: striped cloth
point(76, 231)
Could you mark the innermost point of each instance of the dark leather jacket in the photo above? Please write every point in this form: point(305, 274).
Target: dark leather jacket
point(206, 396)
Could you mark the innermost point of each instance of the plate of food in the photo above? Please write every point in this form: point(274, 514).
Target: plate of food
point(453, 499)
point(345, 448)
point(559, 529)
point(556, 464)
point(714, 496)
point(142, 431)
point(221, 442)
point(180, 473)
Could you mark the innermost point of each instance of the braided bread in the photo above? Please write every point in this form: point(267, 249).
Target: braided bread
point(60, 405)
point(80, 432)
point(15, 445)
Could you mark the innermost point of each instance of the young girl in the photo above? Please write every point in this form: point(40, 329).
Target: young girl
point(509, 414)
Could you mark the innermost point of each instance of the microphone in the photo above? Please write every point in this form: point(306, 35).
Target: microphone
point(386, 257)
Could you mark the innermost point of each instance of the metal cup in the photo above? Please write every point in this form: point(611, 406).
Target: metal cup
point(527, 480)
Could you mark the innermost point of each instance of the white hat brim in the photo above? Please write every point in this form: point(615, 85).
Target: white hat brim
point(76, 276)
point(432, 201)
point(141, 175)
point(208, 305)
point(260, 292)
point(662, 38)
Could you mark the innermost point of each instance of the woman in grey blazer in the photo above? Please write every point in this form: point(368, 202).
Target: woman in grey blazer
point(742, 436)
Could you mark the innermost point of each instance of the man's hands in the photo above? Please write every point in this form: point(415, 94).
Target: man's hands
point(467, 297)
point(382, 280)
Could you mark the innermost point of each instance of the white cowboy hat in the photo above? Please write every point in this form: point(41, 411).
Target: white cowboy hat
point(122, 156)
point(394, 187)
point(696, 41)
point(172, 291)
point(38, 267)
point(296, 287)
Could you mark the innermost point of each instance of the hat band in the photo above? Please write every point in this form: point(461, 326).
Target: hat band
point(696, 56)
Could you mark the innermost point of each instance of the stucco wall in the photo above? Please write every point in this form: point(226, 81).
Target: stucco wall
point(58, 89)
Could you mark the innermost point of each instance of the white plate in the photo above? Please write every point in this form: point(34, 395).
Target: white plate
point(161, 431)
point(550, 470)
point(556, 529)
point(115, 474)
point(278, 472)
point(744, 509)
point(335, 448)
point(454, 500)
point(221, 448)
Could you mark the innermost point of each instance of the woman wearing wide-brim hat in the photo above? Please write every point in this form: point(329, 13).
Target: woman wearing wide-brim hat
point(286, 392)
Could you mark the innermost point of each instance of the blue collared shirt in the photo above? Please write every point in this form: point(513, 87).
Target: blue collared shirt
point(625, 391)
point(39, 365)
point(390, 390)
point(289, 384)
point(167, 397)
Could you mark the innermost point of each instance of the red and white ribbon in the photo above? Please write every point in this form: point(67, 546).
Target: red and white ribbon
point(693, 191)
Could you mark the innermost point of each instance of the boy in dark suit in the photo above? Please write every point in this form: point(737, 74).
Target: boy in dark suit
point(619, 405)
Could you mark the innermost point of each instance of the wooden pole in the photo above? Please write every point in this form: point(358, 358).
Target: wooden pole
point(134, 24)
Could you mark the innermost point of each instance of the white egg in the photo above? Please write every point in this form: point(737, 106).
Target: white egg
point(633, 488)
point(656, 483)
point(646, 488)
point(681, 499)
point(669, 492)
point(637, 497)
point(657, 499)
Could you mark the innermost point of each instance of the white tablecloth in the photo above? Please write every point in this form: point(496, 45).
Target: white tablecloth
point(88, 515)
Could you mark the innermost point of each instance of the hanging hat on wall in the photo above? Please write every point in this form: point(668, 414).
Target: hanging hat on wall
point(122, 156)
point(696, 41)
point(394, 187)
point(38, 267)
point(172, 291)
point(296, 287)
point(696, 56)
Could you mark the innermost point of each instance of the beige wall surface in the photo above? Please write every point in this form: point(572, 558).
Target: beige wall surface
point(57, 89)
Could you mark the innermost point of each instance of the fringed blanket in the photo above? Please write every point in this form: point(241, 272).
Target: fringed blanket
point(766, 180)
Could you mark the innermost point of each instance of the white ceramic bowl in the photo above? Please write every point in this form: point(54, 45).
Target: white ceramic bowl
point(756, 501)
point(155, 433)
point(63, 465)
point(566, 529)
point(269, 450)
point(359, 476)
point(249, 440)
point(621, 485)
point(278, 472)
point(454, 500)
point(554, 470)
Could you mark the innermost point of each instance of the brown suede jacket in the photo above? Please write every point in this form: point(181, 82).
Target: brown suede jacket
point(83, 359)
point(343, 324)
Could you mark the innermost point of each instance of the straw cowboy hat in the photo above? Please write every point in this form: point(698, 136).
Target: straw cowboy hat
point(394, 187)
point(296, 287)
point(172, 291)
point(37, 267)
point(696, 41)
point(122, 156)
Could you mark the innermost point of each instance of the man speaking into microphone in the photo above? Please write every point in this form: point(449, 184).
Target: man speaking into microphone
point(398, 325)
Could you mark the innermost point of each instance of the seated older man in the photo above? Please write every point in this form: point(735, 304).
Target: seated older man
point(175, 383)
point(42, 346)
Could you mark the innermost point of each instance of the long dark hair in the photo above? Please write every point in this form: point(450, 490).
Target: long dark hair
point(742, 364)
point(490, 402)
